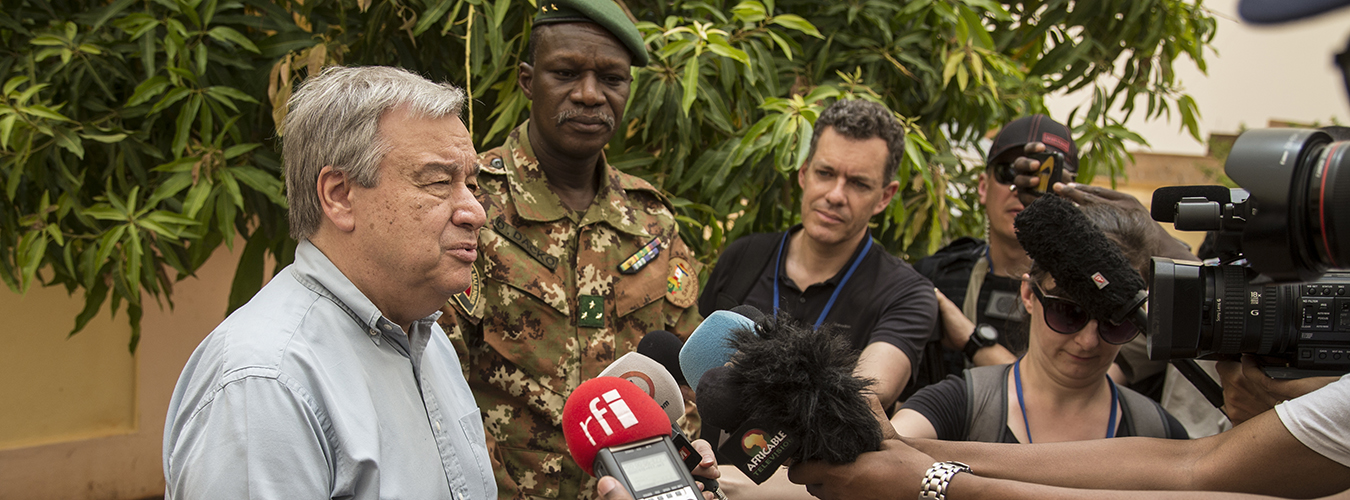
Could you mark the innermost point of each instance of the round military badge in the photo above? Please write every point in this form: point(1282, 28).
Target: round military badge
point(681, 283)
point(471, 300)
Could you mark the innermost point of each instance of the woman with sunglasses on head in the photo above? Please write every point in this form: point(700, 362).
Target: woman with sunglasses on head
point(1059, 390)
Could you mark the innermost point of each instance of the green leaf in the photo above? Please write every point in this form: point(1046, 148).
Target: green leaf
point(169, 187)
point(229, 35)
point(248, 276)
point(689, 84)
point(239, 149)
point(949, 67)
point(45, 112)
point(431, 15)
point(49, 41)
point(6, 128)
point(749, 11)
point(104, 138)
point(68, 141)
point(14, 83)
point(721, 48)
point(175, 95)
point(796, 22)
point(186, 115)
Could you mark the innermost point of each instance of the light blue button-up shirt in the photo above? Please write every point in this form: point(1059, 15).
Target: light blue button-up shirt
point(308, 391)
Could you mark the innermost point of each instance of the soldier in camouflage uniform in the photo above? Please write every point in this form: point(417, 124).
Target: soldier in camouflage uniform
point(578, 261)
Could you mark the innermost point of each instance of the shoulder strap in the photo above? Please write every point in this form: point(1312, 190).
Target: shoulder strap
point(987, 402)
point(1146, 416)
point(755, 258)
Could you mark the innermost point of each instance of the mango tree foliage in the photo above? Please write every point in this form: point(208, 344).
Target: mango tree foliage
point(138, 136)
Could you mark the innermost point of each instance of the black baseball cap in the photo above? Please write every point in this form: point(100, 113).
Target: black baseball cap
point(1036, 128)
point(1281, 11)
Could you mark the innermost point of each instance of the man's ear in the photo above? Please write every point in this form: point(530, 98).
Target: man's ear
point(1027, 295)
point(335, 190)
point(887, 194)
point(983, 187)
point(524, 78)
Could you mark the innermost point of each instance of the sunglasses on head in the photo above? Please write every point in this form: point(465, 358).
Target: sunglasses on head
point(1067, 317)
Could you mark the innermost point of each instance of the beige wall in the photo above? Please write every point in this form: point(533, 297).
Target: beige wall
point(90, 416)
point(1260, 73)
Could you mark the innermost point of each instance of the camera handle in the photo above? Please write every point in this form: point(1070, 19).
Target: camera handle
point(1201, 380)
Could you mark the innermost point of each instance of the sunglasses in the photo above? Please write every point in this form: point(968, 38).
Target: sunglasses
point(1067, 317)
point(1002, 172)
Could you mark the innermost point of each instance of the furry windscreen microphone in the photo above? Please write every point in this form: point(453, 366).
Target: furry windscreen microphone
point(1087, 265)
point(800, 380)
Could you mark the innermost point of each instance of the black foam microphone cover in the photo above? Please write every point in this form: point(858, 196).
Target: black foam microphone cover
point(801, 380)
point(1087, 265)
point(664, 347)
point(719, 400)
point(749, 311)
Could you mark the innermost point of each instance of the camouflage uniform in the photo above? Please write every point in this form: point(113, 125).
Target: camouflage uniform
point(549, 307)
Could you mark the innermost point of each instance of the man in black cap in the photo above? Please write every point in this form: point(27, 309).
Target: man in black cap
point(579, 260)
point(978, 281)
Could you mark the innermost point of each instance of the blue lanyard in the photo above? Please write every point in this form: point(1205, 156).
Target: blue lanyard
point(778, 264)
point(1017, 379)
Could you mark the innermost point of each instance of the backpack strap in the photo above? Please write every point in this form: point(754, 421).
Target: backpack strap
point(986, 402)
point(1146, 415)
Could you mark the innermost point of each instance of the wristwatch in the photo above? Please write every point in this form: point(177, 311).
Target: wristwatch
point(983, 336)
point(937, 478)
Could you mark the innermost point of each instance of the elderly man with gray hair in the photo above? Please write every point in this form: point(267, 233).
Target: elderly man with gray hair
point(335, 380)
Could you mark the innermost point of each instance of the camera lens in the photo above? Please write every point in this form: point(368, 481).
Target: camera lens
point(1328, 206)
point(1299, 214)
point(1199, 311)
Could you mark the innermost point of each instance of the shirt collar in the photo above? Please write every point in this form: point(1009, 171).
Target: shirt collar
point(317, 272)
point(535, 201)
point(838, 276)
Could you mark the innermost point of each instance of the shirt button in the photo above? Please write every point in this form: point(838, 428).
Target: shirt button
point(802, 300)
point(438, 426)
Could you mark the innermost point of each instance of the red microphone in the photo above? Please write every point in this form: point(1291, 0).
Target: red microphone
point(614, 429)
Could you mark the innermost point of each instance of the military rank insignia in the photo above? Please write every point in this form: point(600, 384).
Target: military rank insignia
point(681, 284)
point(639, 259)
point(591, 311)
point(471, 300)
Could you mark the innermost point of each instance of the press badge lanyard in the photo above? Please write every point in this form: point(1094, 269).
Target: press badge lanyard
point(1017, 380)
point(778, 264)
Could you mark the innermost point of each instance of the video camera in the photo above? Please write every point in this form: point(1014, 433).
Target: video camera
point(1274, 291)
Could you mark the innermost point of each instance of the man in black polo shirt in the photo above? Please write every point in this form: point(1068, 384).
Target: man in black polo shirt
point(827, 269)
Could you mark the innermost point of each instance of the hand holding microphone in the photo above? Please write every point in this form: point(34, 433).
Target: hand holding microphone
point(614, 429)
point(789, 394)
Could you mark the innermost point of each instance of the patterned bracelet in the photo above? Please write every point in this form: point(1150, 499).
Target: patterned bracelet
point(936, 479)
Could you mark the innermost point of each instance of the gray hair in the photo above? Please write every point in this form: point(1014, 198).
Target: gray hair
point(334, 120)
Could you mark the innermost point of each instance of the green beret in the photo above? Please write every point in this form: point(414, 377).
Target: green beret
point(606, 13)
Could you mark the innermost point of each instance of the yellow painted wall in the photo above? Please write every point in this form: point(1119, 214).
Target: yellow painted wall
point(59, 388)
point(97, 434)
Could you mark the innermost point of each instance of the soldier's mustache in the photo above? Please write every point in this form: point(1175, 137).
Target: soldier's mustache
point(569, 114)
